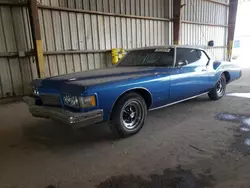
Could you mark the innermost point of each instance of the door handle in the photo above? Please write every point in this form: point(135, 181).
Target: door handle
point(204, 70)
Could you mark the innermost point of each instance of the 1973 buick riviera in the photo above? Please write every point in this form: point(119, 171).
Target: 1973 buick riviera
point(145, 79)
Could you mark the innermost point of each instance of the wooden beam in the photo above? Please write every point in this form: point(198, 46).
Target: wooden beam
point(233, 7)
point(177, 20)
point(36, 35)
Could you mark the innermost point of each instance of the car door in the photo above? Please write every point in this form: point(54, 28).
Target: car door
point(162, 60)
point(191, 77)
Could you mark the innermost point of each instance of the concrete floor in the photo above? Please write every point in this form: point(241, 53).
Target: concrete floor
point(195, 144)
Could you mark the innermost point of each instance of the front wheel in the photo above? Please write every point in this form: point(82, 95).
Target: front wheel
point(128, 115)
point(219, 90)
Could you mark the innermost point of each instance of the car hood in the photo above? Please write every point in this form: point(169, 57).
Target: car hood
point(82, 80)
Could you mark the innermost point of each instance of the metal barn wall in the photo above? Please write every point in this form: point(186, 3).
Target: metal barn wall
point(77, 35)
point(204, 20)
point(15, 73)
point(74, 26)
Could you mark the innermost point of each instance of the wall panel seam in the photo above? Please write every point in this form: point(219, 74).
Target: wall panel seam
point(101, 13)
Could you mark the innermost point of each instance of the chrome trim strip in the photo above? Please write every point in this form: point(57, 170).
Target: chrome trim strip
point(177, 102)
point(175, 55)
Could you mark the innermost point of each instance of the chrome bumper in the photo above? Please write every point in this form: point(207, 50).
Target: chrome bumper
point(74, 119)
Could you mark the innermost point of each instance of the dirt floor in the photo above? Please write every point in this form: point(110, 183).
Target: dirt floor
point(195, 144)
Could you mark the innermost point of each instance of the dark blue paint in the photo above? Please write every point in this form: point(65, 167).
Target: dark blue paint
point(165, 85)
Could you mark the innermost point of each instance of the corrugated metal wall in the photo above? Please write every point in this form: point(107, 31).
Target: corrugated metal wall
point(15, 73)
point(69, 29)
point(204, 21)
point(77, 35)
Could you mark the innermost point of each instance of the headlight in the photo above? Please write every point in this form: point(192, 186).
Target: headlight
point(71, 101)
point(35, 92)
point(87, 102)
point(83, 102)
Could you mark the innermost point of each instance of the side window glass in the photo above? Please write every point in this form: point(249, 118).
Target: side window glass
point(186, 55)
point(191, 56)
point(203, 59)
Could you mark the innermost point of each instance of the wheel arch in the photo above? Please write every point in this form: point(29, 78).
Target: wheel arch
point(145, 93)
point(227, 75)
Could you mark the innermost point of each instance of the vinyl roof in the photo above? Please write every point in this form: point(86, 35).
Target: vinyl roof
point(165, 46)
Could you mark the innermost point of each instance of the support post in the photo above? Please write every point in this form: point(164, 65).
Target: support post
point(36, 36)
point(233, 6)
point(177, 20)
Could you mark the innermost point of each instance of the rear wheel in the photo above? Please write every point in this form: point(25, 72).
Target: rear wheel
point(128, 115)
point(219, 90)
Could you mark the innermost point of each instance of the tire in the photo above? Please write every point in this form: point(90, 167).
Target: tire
point(219, 89)
point(128, 115)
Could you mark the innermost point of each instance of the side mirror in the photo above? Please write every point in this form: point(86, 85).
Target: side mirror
point(211, 43)
point(182, 63)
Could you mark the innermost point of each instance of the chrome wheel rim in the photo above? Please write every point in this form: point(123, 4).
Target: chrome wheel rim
point(219, 87)
point(131, 115)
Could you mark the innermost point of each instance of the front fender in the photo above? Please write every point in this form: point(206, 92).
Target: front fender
point(108, 94)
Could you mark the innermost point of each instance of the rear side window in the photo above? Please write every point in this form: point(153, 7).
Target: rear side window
point(191, 56)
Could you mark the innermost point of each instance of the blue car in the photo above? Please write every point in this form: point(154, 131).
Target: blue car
point(145, 79)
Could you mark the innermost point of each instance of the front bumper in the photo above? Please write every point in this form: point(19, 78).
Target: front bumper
point(58, 114)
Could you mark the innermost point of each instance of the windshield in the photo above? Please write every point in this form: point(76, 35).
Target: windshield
point(152, 57)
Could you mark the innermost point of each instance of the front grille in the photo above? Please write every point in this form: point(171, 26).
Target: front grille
point(50, 99)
